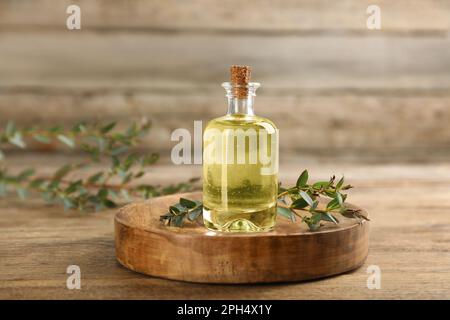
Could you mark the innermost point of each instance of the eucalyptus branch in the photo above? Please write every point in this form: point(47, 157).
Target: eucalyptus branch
point(99, 142)
point(95, 139)
point(302, 197)
point(186, 208)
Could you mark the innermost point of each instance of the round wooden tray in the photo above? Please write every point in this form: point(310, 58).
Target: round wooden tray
point(193, 253)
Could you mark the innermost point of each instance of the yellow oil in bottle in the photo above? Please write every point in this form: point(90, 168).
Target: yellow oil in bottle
point(240, 168)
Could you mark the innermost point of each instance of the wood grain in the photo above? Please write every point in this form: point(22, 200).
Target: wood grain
point(315, 60)
point(255, 15)
point(410, 242)
point(348, 122)
point(178, 61)
point(195, 254)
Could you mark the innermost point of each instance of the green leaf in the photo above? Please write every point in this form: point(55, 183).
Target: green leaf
point(93, 199)
point(55, 129)
point(93, 152)
point(66, 140)
point(109, 203)
point(302, 179)
point(177, 221)
point(73, 186)
point(108, 127)
point(54, 185)
point(125, 195)
point(285, 212)
point(17, 140)
point(48, 196)
point(10, 129)
point(320, 184)
point(140, 174)
point(79, 127)
point(68, 203)
point(313, 222)
point(129, 161)
point(314, 206)
point(127, 178)
point(174, 210)
point(307, 198)
point(314, 226)
point(121, 173)
point(102, 193)
point(119, 150)
point(329, 193)
point(25, 174)
point(300, 203)
point(329, 217)
point(316, 217)
point(187, 203)
point(95, 178)
point(62, 172)
point(340, 183)
point(41, 138)
point(115, 162)
point(21, 192)
point(113, 194)
point(149, 160)
point(177, 209)
point(35, 184)
point(194, 214)
point(339, 199)
point(333, 204)
point(182, 208)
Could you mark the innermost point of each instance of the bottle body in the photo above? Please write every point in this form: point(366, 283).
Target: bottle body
point(240, 173)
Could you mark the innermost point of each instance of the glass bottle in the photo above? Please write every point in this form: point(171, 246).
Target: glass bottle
point(240, 163)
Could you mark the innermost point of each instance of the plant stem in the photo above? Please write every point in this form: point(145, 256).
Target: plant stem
point(282, 194)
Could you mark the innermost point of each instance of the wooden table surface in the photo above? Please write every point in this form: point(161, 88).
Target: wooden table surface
point(409, 205)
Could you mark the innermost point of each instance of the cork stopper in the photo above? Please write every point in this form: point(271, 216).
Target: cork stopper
point(240, 78)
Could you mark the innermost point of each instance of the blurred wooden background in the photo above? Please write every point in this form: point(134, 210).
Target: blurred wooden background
point(327, 81)
point(339, 92)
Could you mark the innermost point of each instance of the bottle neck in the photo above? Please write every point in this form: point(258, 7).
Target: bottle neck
point(240, 98)
point(241, 106)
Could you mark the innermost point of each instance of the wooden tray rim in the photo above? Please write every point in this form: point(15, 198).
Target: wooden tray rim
point(164, 229)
